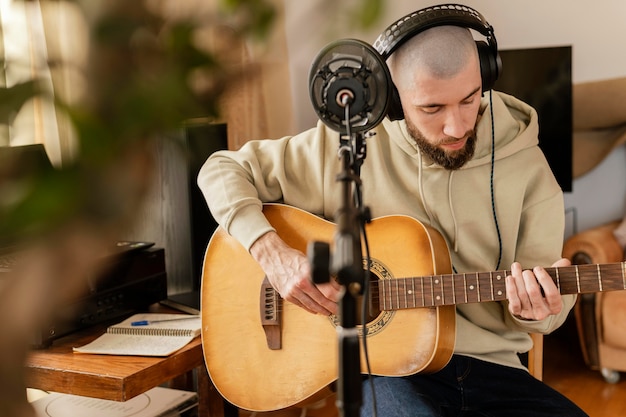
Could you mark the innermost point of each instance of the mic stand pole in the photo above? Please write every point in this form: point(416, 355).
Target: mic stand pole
point(347, 263)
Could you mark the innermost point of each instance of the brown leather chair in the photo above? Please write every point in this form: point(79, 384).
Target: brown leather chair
point(600, 317)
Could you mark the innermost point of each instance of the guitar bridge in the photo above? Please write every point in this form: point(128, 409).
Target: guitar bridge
point(270, 309)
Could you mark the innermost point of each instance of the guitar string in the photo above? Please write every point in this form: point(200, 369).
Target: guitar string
point(611, 273)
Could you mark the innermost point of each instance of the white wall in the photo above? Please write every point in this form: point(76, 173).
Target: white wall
point(599, 196)
point(595, 29)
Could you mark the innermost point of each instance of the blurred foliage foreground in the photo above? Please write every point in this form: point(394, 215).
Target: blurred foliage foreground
point(152, 65)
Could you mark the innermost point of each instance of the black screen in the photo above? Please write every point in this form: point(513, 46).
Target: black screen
point(542, 77)
point(202, 139)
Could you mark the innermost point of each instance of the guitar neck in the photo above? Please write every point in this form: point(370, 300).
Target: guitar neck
point(476, 287)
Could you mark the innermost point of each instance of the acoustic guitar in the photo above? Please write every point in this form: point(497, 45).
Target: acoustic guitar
point(264, 354)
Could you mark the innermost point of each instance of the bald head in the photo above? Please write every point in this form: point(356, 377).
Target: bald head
point(442, 52)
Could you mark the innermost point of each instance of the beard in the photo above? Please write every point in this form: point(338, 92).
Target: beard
point(451, 160)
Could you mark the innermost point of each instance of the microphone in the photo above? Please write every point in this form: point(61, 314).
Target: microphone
point(350, 74)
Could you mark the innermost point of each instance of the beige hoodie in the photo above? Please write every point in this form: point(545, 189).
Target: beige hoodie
point(301, 171)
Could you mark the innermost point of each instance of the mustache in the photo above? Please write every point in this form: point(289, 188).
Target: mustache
point(449, 139)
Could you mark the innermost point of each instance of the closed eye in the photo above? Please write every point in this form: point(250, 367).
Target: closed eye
point(435, 108)
point(431, 109)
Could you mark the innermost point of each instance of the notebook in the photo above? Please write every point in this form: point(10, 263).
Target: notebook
point(146, 334)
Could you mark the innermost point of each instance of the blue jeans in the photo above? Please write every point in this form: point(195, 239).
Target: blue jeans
point(466, 387)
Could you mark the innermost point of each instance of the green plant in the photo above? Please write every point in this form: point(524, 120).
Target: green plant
point(147, 73)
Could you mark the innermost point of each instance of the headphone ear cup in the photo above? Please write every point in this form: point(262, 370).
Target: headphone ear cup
point(490, 65)
point(395, 111)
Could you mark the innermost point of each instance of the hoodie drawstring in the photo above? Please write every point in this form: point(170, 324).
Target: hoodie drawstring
point(421, 187)
point(450, 203)
point(454, 237)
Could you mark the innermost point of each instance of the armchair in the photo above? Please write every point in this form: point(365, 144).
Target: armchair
point(600, 317)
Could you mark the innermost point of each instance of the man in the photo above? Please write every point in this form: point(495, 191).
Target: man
point(435, 166)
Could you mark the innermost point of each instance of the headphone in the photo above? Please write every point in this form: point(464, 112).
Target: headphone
point(441, 15)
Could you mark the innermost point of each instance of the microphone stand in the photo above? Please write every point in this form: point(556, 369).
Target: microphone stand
point(347, 266)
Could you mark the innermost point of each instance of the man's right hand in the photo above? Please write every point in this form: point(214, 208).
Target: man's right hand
point(289, 272)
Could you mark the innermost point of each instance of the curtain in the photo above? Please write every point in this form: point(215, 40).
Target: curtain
point(49, 40)
point(34, 46)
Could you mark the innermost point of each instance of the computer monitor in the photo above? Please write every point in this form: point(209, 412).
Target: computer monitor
point(202, 138)
point(542, 77)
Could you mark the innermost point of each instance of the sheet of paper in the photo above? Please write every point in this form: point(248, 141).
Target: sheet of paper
point(152, 403)
point(117, 344)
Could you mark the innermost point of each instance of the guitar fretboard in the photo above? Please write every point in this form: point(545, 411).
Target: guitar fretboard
point(476, 287)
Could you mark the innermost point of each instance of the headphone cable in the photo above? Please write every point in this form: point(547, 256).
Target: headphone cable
point(493, 163)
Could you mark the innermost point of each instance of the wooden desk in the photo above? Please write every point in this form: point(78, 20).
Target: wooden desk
point(119, 378)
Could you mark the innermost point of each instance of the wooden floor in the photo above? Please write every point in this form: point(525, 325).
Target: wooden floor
point(565, 371)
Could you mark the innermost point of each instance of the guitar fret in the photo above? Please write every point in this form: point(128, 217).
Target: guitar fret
point(442, 297)
point(446, 282)
point(407, 294)
point(397, 292)
point(413, 292)
point(437, 298)
point(477, 287)
point(624, 274)
point(499, 279)
point(397, 296)
point(442, 288)
point(423, 294)
point(432, 292)
point(491, 284)
point(599, 277)
point(471, 288)
point(558, 279)
point(577, 278)
point(453, 290)
point(465, 286)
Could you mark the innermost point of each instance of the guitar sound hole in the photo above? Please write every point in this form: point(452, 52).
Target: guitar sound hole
point(373, 306)
point(375, 318)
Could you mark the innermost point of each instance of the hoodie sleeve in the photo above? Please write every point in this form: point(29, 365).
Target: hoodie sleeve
point(540, 242)
point(290, 170)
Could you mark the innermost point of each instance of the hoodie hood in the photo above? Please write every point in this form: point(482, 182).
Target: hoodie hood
point(513, 125)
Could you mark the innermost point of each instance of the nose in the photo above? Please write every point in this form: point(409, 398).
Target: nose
point(454, 125)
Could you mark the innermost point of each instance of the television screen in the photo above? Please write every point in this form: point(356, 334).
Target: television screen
point(542, 77)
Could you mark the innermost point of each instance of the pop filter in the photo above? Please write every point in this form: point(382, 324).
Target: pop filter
point(350, 73)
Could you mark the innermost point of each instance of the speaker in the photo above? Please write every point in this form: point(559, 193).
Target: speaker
point(202, 138)
point(442, 15)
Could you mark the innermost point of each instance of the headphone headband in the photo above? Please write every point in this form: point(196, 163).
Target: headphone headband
point(444, 14)
point(441, 15)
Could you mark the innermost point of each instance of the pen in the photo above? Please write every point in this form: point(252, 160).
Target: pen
point(146, 322)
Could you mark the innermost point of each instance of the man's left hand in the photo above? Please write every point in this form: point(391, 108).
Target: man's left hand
point(532, 294)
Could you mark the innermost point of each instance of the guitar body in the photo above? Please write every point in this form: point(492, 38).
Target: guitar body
point(254, 377)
